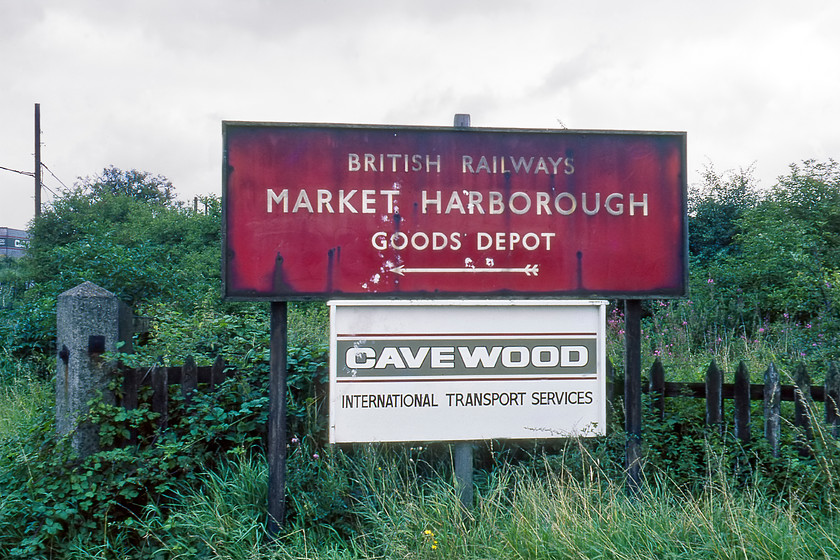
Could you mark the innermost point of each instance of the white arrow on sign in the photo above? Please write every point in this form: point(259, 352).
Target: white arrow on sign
point(402, 270)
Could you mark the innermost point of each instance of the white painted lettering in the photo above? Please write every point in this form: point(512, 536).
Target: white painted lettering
point(455, 204)
point(593, 211)
point(324, 201)
point(497, 206)
point(368, 201)
point(302, 202)
point(360, 358)
point(344, 201)
point(443, 357)
point(545, 356)
point(274, 198)
point(643, 204)
point(474, 202)
point(523, 356)
point(435, 163)
point(543, 199)
point(572, 203)
point(618, 209)
point(390, 357)
point(390, 195)
point(425, 202)
point(480, 356)
point(414, 360)
point(574, 356)
point(526, 205)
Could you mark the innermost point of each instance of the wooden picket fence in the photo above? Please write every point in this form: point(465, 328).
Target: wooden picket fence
point(189, 376)
point(771, 392)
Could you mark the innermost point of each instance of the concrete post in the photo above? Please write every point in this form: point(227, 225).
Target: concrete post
point(88, 325)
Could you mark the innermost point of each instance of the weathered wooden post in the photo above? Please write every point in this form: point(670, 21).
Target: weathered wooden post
point(714, 396)
point(633, 394)
point(464, 452)
point(772, 408)
point(88, 325)
point(802, 410)
point(160, 395)
point(742, 403)
point(278, 339)
point(189, 379)
point(832, 399)
point(611, 392)
point(657, 388)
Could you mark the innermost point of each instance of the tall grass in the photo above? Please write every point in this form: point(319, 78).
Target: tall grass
point(683, 337)
point(23, 399)
point(223, 516)
point(532, 511)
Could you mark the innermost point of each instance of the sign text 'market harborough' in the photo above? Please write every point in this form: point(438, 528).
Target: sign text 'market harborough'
point(455, 202)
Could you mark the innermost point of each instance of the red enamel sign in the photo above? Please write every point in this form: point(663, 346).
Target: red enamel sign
point(331, 211)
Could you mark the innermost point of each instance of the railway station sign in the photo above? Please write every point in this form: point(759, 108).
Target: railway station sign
point(373, 212)
point(458, 370)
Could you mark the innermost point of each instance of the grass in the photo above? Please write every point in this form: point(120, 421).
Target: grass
point(23, 399)
point(534, 512)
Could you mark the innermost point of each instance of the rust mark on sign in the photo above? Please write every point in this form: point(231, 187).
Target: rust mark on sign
point(280, 283)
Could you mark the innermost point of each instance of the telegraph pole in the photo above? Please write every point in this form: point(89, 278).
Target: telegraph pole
point(37, 159)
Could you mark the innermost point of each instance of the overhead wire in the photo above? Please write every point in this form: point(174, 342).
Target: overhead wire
point(49, 189)
point(54, 176)
point(27, 173)
point(32, 174)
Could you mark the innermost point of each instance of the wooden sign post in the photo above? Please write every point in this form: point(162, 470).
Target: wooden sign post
point(277, 418)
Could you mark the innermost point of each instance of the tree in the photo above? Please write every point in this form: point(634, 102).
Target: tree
point(790, 244)
point(138, 185)
point(125, 231)
point(715, 209)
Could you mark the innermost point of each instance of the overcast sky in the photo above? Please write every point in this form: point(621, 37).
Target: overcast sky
point(146, 84)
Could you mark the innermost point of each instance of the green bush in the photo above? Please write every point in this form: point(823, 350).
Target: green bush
point(52, 498)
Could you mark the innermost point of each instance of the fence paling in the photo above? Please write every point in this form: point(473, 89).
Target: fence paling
point(714, 396)
point(802, 409)
point(832, 397)
point(772, 398)
point(657, 381)
point(772, 392)
point(189, 377)
point(741, 388)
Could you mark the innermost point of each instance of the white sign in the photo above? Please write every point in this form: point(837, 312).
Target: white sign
point(462, 370)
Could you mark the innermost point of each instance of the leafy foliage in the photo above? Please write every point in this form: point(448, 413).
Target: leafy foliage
point(714, 213)
point(790, 245)
point(780, 265)
point(52, 497)
point(141, 186)
point(125, 232)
